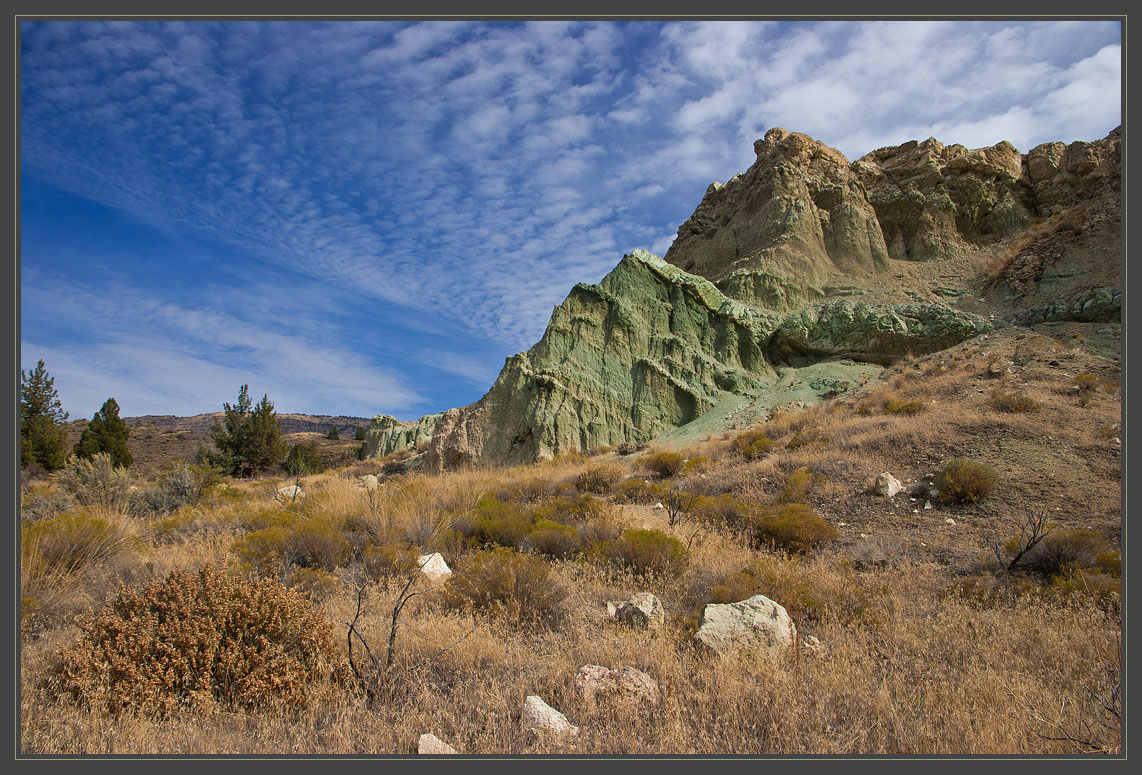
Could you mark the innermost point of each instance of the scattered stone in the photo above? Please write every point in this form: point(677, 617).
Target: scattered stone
point(659, 506)
point(641, 610)
point(887, 485)
point(431, 744)
point(998, 368)
point(594, 681)
point(433, 566)
point(758, 623)
point(370, 482)
point(927, 505)
point(950, 521)
point(813, 645)
point(1116, 441)
point(541, 718)
point(291, 492)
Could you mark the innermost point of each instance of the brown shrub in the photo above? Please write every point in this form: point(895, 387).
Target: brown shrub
point(966, 481)
point(665, 464)
point(798, 485)
point(637, 490)
point(642, 551)
point(508, 585)
point(1018, 401)
point(202, 641)
point(791, 526)
point(810, 437)
point(573, 510)
point(553, 539)
point(900, 406)
point(753, 444)
point(304, 543)
point(390, 559)
point(1060, 553)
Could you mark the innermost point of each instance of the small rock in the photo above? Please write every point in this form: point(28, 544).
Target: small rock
point(659, 506)
point(433, 567)
point(593, 681)
point(950, 521)
point(813, 645)
point(1117, 441)
point(370, 482)
point(927, 505)
point(934, 493)
point(291, 492)
point(887, 485)
point(430, 744)
point(642, 611)
point(541, 718)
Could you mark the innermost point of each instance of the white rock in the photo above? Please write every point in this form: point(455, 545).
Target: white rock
point(887, 485)
point(641, 610)
point(432, 744)
point(291, 492)
point(813, 645)
point(433, 567)
point(541, 718)
point(927, 505)
point(370, 482)
point(594, 681)
point(659, 506)
point(950, 521)
point(758, 624)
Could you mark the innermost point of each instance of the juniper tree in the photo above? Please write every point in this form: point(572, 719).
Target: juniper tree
point(106, 433)
point(251, 440)
point(333, 434)
point(43, 438)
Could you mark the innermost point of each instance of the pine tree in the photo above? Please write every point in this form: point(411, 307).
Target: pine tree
point(333, 434)
point(360, 434)
point(43, 438)
point(251, 440)
point(106, 433)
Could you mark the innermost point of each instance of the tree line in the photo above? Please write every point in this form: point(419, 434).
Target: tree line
point(247, 441)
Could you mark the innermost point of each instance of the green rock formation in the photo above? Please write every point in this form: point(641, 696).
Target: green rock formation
point(1097, 305)
point(388, 434)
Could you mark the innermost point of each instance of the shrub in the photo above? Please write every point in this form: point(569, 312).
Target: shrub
point(1060, 553)
point(598, 479)
point(390, 559)
point(178, 487)
point(753, 444)
point(96, 482)
point(305, 543)
point(644, 551)
point(70, 543)
point(665, 464)
point(359, 434)
point(637, 490)
point(202, 641)
point(334, 434)
point(553, 539)
point(499, 523)
point(966, 481)
point(900, 406)
point(304, 458)
point(696, 464)
point(573, 510)
point(38, 506)
point(1013, 402)
point(798, 486)
point(794, 527)
point(629, 448)
point(807, 438)
point(508, 585)
point(106, 433)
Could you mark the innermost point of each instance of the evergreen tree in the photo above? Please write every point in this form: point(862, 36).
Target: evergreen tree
point(106, 433)
point(43, 438)
point(334, 434)
point(251, 440)
point(360, 434)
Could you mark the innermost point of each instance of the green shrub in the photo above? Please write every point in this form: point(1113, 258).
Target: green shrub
point(1018, 401)
point(753, 444)
point(304, 543)
point(553, 539)
point(696, 464)
point(643, 551)
point(359, 435)
point(508, 585)
point(573, 510)
point(203, 641)
point(72, 542)
point(390, 559)
point(598, 479)
point(637, 490)
point(43, 436)
point(665, 464)
point(1060, 553)
point(899, 406)
point(794, 527)
point(250, 439)
point(497, 523)
point(38, 506)
point(798, 485)
point(181, 486)
point(95, 481)
point(807, 438)
point(966, 481)
point(305, 458)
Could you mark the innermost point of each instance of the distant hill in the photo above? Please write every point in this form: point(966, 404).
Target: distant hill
point(291, 423)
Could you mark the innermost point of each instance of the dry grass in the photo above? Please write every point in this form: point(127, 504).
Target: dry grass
point(927, 647)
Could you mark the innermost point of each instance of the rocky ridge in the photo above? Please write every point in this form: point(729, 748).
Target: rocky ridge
point(755, 289)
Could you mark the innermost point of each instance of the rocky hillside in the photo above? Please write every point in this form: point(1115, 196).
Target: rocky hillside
point(201, 424)
point(799, 278)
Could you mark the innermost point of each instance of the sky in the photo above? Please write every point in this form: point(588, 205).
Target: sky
point(368, 217)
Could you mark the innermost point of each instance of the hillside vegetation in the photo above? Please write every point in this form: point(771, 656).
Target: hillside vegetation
point(975, 611)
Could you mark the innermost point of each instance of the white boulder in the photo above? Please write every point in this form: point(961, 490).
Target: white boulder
point(292, 492)
point(594, 681)
point(641, 610)
point(433, 567)
point(430, 744)
point(887, 485)
point(541, 718)
point(758, 624)
point(370, 481)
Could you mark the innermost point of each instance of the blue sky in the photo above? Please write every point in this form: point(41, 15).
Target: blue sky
point(368, 217)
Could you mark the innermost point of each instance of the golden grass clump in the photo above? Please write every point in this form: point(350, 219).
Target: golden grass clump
point(598, 480)
point(508, 585)
point(1017, 401)
point(753, 444)
point(204, 641)
point(966, 481)
point(666, 464)
point(642, 552)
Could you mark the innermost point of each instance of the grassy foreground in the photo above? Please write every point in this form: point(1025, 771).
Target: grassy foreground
point(929, 643)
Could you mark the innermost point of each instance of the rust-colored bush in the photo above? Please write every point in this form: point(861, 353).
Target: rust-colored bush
point(1019, 401)
point(204, 641)
point(665, 464)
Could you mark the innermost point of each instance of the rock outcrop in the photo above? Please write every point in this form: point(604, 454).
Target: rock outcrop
point(757, 624)
point(388, 434)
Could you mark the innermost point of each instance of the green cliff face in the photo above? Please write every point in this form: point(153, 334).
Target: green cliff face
point(388, 434)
